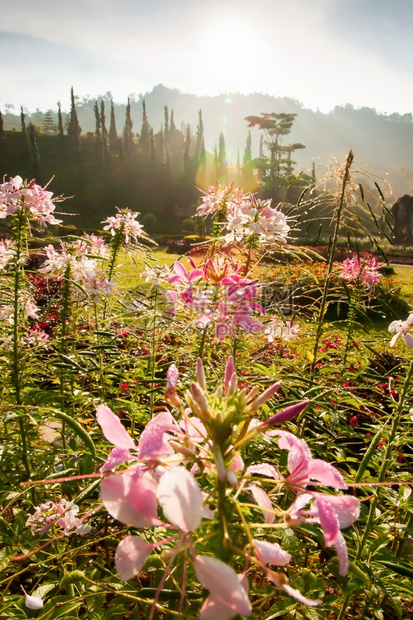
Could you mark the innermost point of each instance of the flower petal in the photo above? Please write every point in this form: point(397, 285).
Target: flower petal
point(326, 473)
point(328, 520)
point(116, 457)
point(263, 501)
point(222, 582)
point(264, 469)
point(342, 554)
point(271, 553)
point(129, 498)
point(130, 556)
point(112, 428)
point(181, 499)
point(152, 443)
point(346, 507)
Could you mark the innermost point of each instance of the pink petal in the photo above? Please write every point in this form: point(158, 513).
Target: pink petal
point(300, 597)
point(326, 473)
point(195, 274)
point(328, 520)
point(180, 270)
point(263, 501)
point(180, 497)
point(346, 507)
point(408, 340)
point(229, 371)
point(214, 610)
point(112, 428)
point(271, 553)
point(172, 377)
point(152, 443)
point(128, 498)
point(237, 464)
point(130, 556)
point(342, 554)
point(222, 582)
point(116, 457)
point(265, 469)
point(281, 582)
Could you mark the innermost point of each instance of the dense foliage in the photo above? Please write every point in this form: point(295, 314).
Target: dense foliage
point(223, 435)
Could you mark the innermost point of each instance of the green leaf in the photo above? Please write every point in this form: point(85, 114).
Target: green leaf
point(79, 430)
point(399, 568)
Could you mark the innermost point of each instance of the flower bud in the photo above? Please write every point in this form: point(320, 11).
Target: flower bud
point(287, 414)
point(262, 399)
point(200, 400)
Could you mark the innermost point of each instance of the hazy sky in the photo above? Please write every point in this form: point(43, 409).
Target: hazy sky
point(321, 52)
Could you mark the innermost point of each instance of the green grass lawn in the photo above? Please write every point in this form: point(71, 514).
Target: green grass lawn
point(404, 277)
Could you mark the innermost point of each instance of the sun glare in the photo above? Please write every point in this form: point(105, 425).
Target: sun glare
point(232, 51)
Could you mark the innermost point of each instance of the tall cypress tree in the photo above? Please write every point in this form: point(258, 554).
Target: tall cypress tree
point(153, 153)
point(166, 113)
point(127, 130)
point(73, 129)
point(1, 125)
point(222, 159)
point(172, 124)
point(34, 154)
point(23, 125)
point(113, 134)
point(103, 119)
point(145, 139)
point(60, 127)
point(187, 151)
point(97, 120)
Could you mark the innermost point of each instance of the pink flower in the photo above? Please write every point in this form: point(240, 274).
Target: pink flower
point(227, 597)
point(182, 275)
point(125, 221)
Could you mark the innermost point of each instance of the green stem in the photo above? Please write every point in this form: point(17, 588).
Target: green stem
point(222, 517)
point(326, 289)
point(202, 343)
point(16, 363)
point(382, 474)
point(353, 301)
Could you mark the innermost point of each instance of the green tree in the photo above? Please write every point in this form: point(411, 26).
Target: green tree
point(23, 123)
point(145, 137)
point(74, 130)
point(49, 126)
point(222, 159)
point(60, 127)
point(34, 154)
point(97, 121)
point(113, 134)
point(276, 169)
point(1, 125)
point(187, 152)
point(127, 130)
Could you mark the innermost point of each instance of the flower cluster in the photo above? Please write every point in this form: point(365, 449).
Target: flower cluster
point(7, 250)
point(37, 202)
point(244, 217)
point(363, 271)
point(191, 469)
point(78, 261)
point(214, 295)
point(63, 514)
point(126, 224)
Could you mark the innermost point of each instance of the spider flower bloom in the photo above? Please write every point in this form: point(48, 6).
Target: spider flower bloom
point(34, 199)
point(401, 328)
point(126, 222)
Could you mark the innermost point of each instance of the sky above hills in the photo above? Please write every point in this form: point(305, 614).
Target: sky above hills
point(322, 53)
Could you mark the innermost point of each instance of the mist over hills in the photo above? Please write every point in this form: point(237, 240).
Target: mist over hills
point(381, 141)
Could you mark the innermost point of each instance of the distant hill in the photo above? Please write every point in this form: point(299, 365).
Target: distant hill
point(383, 142)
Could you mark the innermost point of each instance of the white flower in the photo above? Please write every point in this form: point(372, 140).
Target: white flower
point(401, 329)
point(125, 220)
